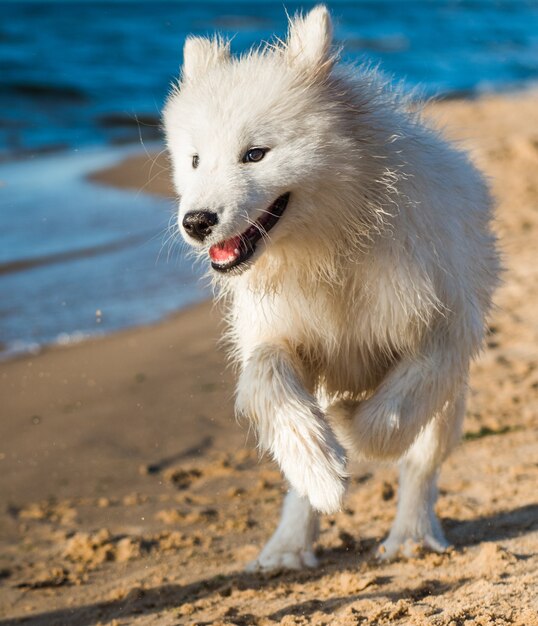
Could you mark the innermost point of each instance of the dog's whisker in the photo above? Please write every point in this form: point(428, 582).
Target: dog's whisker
point(169, 235)
point(151, 178)
point(254, 223)
point(262, 230)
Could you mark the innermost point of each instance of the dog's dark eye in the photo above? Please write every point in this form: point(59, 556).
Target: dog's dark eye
point(254, 155)
point(195, 161)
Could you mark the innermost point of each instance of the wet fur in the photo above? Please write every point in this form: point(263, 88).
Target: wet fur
point(355, 322)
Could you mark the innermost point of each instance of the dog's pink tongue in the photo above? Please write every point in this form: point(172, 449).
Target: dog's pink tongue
point(225, 251)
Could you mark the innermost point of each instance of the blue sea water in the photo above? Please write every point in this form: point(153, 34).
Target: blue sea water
point(80, 259)
point(78, 73)
point(81, 79)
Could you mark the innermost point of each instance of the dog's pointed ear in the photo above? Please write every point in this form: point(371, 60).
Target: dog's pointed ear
point(308, 47)
point(200, 54)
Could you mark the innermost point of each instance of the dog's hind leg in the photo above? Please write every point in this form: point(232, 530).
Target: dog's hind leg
point(416, 524)
point(291, 546)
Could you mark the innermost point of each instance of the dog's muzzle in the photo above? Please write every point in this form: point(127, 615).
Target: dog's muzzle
point(236, 251)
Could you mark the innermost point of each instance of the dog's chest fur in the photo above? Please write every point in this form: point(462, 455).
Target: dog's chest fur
point(346, 335)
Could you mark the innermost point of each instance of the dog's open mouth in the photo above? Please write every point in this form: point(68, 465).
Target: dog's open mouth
point(235, 251)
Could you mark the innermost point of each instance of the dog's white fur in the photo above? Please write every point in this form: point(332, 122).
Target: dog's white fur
point(358, 315)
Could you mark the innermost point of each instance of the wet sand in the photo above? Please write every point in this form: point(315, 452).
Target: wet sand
point(130, 495)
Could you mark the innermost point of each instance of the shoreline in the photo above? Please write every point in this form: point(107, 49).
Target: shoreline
point(86, 259)
point(78, 338)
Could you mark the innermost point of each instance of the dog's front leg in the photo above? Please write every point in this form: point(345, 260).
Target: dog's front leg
point(291, 426)
point(292, 544)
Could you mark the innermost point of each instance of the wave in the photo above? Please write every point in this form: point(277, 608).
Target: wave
point(21, 265)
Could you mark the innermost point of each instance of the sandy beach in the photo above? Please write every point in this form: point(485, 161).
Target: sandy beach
point(130, 494)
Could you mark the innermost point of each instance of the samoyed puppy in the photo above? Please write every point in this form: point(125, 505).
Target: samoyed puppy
point(352, 245)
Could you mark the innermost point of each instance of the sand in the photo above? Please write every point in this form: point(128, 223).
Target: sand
point(130, 495)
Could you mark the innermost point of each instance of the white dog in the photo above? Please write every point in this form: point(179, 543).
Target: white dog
point(353, 247)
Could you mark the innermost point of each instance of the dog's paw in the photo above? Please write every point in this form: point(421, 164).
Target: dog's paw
point(409, 545)
point(282, 559)
point(321, 479)
point(326, 493)
point(313, 461)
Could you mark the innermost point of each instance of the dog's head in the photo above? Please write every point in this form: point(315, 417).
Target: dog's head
point(252, 139)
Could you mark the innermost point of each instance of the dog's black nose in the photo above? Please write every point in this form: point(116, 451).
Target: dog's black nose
point(198, 224)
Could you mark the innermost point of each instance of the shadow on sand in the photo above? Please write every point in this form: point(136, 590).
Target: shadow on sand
point(503, 525)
